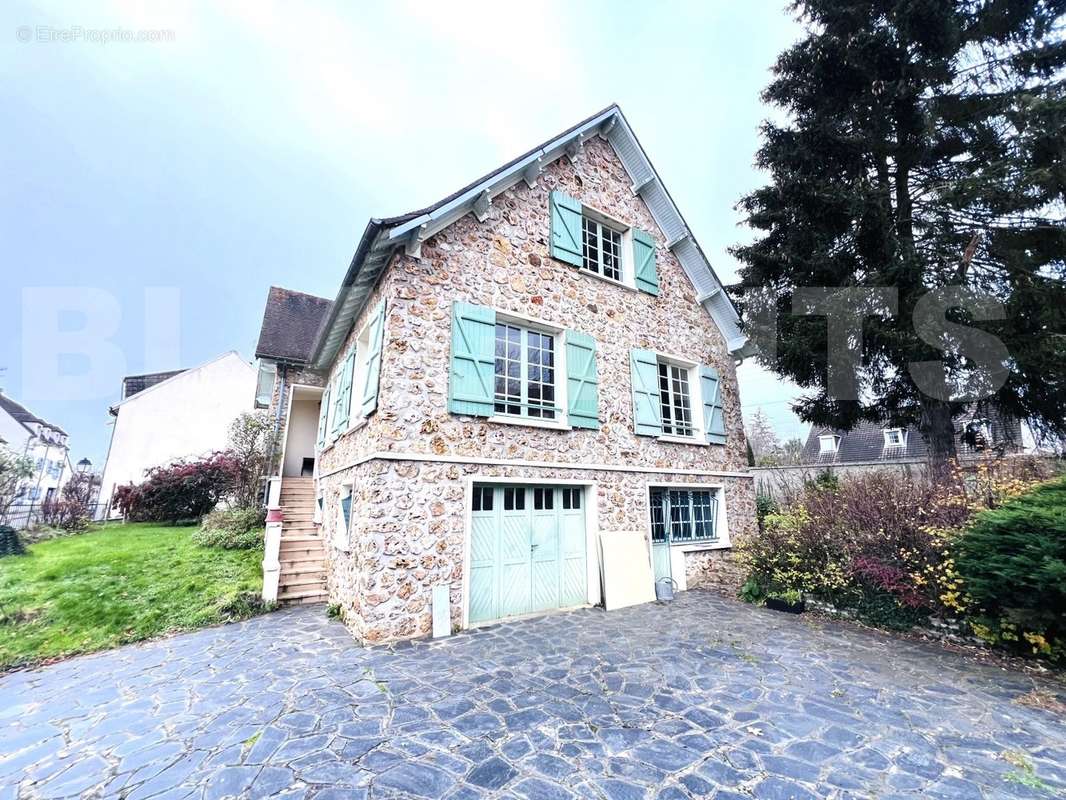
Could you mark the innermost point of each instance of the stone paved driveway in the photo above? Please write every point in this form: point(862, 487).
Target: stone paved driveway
point(702, 698)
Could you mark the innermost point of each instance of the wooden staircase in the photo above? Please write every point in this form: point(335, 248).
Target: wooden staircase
point(302, 556)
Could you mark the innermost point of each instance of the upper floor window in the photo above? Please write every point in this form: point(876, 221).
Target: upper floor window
point(895, 437)
point(264, 385)
point(591, 240)
point(602, 249)
point(524, 372)
point(675, 399)
point(828, 443)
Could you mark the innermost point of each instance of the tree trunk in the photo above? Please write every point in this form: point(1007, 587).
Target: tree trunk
point(938, 428)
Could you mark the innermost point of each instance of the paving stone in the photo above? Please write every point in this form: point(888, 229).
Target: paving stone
point(551, 766)
point(492, 774)
point(665, 755)
point(653, 699)
point(778, 789)
point(811, 751)
point(230, 782)
point(537, 789)
point(418, 780)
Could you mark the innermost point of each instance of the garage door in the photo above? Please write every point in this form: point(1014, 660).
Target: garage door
point(527, 550)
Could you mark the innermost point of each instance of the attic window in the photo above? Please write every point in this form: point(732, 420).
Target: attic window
point(895, 437)
point(602, 249)
point(828, 443)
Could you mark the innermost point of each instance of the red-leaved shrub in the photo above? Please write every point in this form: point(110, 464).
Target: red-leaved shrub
point(184, 490)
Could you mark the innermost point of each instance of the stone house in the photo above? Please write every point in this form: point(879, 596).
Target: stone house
point(542, 356)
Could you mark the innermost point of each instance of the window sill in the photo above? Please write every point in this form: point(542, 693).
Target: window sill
point(527, 422)
point(605, 279)
point(683, 440)
point(696, 547)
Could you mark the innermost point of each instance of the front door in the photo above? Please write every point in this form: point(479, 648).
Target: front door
point(527, 550)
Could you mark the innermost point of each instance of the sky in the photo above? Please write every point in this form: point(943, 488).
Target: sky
point(152, 190)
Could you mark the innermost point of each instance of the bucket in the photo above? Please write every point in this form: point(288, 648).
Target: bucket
point(664, 589)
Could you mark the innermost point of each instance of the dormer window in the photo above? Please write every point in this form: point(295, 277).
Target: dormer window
point(895, 437)
point(828, 443)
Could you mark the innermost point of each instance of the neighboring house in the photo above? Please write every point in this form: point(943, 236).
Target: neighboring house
point(542, 356)
point(166, 416)
point(45, 444)
point(976, 433)
point(286, 385)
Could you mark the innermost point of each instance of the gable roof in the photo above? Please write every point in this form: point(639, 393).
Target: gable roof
point(24, 416)
point(291, 320)
point(866, 441)
point(173, 375)
point(383, 237)
point(132, 384)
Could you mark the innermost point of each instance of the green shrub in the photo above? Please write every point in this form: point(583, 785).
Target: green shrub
point(764, 506)
point(241, 605)
point(1012, 562)
point(232, 529)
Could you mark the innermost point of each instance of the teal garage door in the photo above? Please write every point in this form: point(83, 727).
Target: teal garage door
point(527, 550)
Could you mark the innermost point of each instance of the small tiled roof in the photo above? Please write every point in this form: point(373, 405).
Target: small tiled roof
point(290, 323)
point(22, 415)
point(866, 441)
point(133, 384)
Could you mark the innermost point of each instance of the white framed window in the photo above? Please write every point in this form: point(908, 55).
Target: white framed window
point(675, 398)
point(684, 515)
point(895, 437)
point(828, 443)
point(342, 528)
point(526, 372)
point(264, 384)
point(601, 248)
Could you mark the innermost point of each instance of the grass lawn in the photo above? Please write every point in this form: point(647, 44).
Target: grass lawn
point(115, 585)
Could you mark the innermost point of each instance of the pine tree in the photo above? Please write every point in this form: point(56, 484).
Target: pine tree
point(923, 148)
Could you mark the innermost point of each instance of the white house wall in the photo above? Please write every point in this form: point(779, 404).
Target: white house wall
point(184, 417)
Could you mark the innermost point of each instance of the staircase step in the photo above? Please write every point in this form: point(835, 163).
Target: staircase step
point(296, 585)
point(309, 572)
point(303, 595)
point(307, 567)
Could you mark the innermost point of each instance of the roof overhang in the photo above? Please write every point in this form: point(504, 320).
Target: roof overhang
point(384, 237)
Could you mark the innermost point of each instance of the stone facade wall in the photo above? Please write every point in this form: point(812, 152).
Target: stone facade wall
point(410, 535)
point(504, 262)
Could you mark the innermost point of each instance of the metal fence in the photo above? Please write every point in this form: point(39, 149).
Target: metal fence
point(28, 515)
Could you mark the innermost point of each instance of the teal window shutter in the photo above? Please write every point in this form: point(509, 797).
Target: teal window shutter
point(582, 381)
point(644, 262)
point(647, 411)
point(343, 400)
point(471, 383)
point(566, 228)
point(323, 416)
point(713, 417)
point(372, 374)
